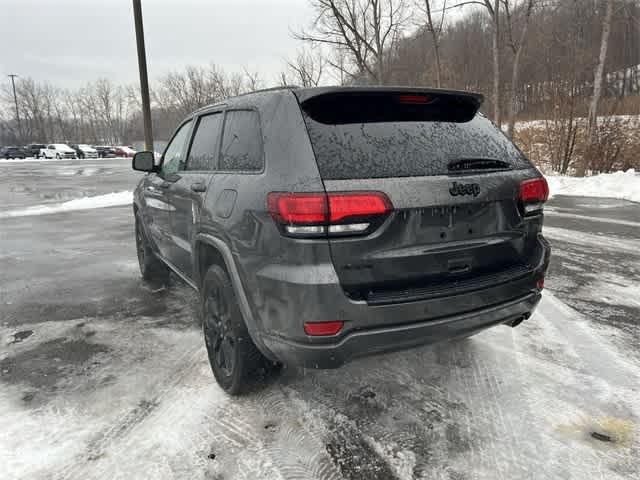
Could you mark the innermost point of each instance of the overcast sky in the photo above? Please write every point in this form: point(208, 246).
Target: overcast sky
point(69, 42)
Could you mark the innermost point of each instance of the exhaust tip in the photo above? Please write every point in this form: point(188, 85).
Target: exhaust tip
point(518, 321)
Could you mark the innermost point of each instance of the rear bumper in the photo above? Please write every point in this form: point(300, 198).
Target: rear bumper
point(282, 297)
point(398, 337)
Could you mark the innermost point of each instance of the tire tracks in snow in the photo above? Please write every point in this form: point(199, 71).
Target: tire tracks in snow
point(126, 423)
point(259, 436)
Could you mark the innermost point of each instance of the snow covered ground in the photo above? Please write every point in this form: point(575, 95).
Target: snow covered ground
point(56, 160)
point(84, 203)
point(104, 377)
point(623, 185)
point(632, 121)
point(506, 404)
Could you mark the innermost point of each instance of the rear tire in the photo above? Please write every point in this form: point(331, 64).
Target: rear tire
point(233, 356)
point(151, 267)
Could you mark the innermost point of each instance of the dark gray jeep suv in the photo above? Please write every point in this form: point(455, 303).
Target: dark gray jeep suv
point(324, 224)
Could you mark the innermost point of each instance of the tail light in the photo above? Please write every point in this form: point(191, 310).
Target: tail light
point(322, 329)
point(533, 194)
point(334, 214)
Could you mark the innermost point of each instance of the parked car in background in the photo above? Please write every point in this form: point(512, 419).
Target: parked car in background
point(34, 149)
point(104, 151)
point(59, 151)
point(13, 152)
point(85, 151)
point(126, 152)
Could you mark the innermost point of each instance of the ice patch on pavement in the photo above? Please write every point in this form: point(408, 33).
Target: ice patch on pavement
point(554, 212)
point(615, 290)
point(592, 240)
point(403, 462)
point(620, 185)
point(84, 203)
point(85, 172)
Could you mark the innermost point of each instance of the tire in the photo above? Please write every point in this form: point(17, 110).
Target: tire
point(151, 267)
point(234, 358)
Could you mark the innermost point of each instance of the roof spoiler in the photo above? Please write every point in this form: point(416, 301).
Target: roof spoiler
point(341, 105)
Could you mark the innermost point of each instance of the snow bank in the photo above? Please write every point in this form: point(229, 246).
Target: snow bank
point(630, 120)
point(78, 160)
point(28, 160)
point(85, 203)
point(621, 185)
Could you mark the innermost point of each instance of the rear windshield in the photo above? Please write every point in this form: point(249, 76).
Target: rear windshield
point(352, 139)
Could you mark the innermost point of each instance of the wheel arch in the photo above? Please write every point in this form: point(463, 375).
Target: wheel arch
point(210, 250)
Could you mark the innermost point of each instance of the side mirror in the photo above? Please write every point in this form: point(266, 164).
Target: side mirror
point(143, 161)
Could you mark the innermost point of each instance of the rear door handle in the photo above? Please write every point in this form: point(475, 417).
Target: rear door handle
point(199, 187)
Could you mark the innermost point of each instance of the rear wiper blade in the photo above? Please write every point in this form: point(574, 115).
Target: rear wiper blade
point(472, 164)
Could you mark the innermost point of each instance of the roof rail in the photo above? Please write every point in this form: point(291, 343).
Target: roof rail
point(262, 90)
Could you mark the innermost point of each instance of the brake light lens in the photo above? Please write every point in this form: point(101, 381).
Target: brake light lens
point(414, 99)
point(348, 205)
point(298, 208)
point(533, 194)
point(322, 329)
point(335, 213)
point(535, 190)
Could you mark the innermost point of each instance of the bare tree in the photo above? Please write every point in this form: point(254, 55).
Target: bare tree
point(306, 69)
point(185, 91)
point(599, 73)
point(366, 29)
point(253, 80)
point(516, 47)
point(434, 27)
point(494, 13)
point(338, 60)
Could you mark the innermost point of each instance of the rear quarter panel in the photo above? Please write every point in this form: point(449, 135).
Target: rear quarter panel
point(256, 243)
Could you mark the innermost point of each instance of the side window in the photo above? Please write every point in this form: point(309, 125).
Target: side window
point(175, 152)
point(241, 142)
point(204, 148)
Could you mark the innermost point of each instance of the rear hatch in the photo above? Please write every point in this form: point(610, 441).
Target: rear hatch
point(455, 219)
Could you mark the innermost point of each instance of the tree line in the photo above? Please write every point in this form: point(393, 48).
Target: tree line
point(102, 112)
point(558, 60)
point(519, 53)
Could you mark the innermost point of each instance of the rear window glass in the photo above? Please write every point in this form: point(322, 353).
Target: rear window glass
point(241, 142)
point(353, 140)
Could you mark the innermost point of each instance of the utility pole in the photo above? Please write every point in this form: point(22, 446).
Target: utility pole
point(144, 80)
point(15, 99)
